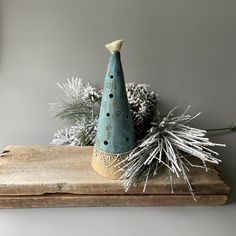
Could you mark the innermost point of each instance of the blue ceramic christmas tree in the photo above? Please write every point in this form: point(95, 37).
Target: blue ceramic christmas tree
point(115, 136)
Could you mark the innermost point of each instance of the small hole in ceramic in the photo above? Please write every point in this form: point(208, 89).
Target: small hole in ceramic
point(105, 142)
point(108, 114)
point(126, 139)
point(110, 95)
point(111, 76)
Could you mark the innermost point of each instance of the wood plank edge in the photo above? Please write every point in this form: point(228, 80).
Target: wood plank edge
point(70, 200)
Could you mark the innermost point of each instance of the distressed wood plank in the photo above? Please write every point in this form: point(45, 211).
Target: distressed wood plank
point(48, 176)
point(70, 200)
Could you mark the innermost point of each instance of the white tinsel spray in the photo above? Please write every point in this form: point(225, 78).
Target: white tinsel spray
point(167, 143)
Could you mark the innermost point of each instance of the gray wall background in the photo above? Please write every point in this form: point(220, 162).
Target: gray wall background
point(186, 50)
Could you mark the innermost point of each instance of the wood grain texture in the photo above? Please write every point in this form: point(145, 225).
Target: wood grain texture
point(51, 176)
point(74, 200)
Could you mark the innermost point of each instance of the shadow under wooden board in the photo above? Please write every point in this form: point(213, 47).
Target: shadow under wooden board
point(61, 176)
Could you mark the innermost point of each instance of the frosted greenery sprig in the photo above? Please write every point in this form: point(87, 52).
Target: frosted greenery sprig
point(167, 144)
point(144, 107)
point(81, 103)
point(77, 101)
point(81, 134)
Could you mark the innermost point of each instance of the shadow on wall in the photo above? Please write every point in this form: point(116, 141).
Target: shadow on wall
point(1, 26)
point(228, 166)
point(228, 173)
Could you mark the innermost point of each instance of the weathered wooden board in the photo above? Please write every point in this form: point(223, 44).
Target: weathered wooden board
point(69, 200)
point(51, 176)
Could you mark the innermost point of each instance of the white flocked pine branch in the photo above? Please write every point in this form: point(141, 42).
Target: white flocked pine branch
point(168, 143)
point(80, 103)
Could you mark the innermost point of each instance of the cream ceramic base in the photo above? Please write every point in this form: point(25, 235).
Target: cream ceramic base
point(107, 164)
